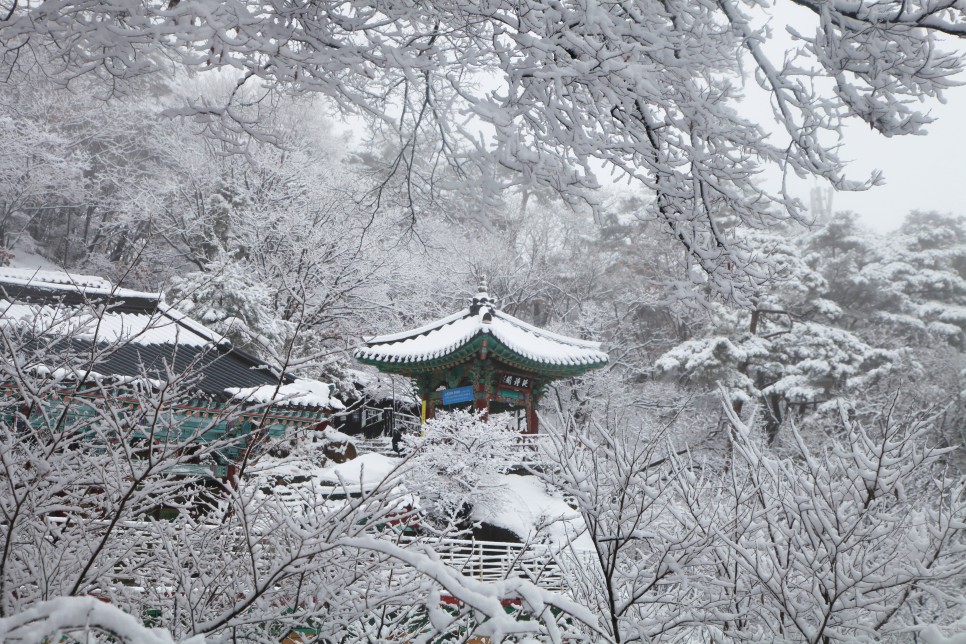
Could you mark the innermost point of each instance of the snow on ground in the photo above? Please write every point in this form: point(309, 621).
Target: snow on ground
point(25, 256)
point(522, 504)
point(310, 492)
point(361, 474)
point(526, 509)
point(367, 470)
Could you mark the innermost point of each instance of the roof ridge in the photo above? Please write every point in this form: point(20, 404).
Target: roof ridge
point(444, 337)
point(405, 335)
point(587, 344)
point(71, 282)
point(143, 330)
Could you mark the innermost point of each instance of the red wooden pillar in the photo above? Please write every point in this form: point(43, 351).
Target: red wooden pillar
point(481, 401)
point(533, 423)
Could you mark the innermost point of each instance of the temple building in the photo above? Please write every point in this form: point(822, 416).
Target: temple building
point(95, 346)
point(484, 358)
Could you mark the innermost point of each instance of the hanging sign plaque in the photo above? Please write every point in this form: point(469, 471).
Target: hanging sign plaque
point(513, 380)
point(457, 395)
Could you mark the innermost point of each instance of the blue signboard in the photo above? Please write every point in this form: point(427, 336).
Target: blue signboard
point(458, 395)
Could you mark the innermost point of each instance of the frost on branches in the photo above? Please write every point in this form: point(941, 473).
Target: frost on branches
point(795, 350)
point(457, 465)
point(537, 94)
point(862, 539)
point(229, 298)
point(69, 618)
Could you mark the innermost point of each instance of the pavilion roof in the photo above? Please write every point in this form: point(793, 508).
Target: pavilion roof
point(450, 337)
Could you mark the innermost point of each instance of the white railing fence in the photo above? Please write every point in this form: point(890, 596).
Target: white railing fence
point(383, 420)
point(497, 560)
point(533, 448)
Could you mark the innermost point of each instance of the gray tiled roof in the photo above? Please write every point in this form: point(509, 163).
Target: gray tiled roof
point(212, 364)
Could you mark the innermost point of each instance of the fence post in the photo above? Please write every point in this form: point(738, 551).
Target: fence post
point(481, 558)
point(389, 421)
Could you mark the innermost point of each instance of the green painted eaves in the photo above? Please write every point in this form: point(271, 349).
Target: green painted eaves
point(472, 348)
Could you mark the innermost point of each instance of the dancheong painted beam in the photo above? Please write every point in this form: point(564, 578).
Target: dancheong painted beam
point(504, 361)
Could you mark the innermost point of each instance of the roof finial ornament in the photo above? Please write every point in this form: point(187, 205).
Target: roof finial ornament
point(482, 299)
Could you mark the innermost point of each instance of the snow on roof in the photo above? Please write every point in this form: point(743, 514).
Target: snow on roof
point(302, 392)
point(139, 331)
point(64, 281)
point(395, 337)
point(190, 324)
point(101, 326)
point(73, 304)
point(442, 337)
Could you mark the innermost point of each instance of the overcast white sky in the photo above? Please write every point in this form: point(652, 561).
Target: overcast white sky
point(923, 173)
point(920, 172)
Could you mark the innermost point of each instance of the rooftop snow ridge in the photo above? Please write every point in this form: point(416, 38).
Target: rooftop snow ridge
point(442, 337)
point(403, 335)
point(589, 344)
point(301, 392)
point(69, 282)
point(138, 331)
point(37, 277)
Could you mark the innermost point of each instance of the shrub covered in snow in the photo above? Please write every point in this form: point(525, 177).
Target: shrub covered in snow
point(456, 464)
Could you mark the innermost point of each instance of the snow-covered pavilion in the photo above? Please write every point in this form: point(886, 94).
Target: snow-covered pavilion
point(482, 357)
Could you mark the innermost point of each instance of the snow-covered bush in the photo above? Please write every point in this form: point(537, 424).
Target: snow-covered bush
point(456, 463)
point(861, 540)
point(645, 574)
